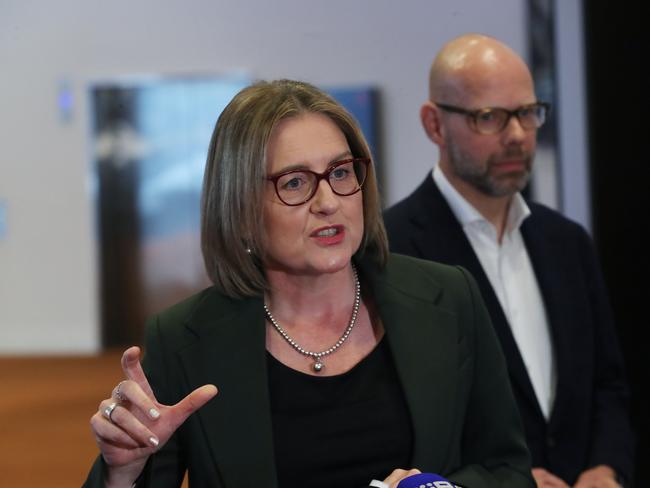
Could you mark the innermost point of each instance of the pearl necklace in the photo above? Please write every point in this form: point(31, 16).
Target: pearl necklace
point(317, 356)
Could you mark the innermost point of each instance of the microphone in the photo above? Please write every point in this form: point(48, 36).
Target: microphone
point(426, 480)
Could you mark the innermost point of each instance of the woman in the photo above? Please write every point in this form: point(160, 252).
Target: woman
point(336, 362)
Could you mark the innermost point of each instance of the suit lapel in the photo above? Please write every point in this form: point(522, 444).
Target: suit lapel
point(423, 338)
point(230, 353)
point(553, 280)
point(438, 236)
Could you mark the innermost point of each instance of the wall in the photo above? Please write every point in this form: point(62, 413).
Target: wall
point(571, 104)
point(48, 275)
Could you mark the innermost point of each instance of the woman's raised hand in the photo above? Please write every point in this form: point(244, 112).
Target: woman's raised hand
point(132, 425)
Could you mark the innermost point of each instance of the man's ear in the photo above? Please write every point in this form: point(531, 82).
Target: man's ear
point(430, 117)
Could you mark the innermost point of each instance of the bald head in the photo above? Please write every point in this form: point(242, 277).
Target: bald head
point(472, 64)
point(470, 73)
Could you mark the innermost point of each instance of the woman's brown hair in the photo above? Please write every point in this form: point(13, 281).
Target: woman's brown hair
point(232, 227)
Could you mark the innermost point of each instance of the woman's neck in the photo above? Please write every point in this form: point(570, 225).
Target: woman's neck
point(316, 313)
point(311, 299)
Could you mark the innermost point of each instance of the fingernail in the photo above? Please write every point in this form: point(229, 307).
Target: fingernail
point(153, 441)
point(154, 413)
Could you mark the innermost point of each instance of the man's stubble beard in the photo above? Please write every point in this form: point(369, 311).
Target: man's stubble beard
point(479, 174)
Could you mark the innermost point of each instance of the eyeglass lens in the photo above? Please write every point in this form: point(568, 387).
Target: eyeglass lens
point(492, 120)
point(299, 186)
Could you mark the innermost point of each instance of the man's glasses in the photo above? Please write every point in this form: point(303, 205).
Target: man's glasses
point(494, 120)
point(345, 177)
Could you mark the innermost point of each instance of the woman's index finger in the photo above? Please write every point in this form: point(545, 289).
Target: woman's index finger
point(133, 370)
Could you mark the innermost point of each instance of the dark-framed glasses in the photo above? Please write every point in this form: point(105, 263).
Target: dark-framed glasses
point(492, 120)
point(345, 177)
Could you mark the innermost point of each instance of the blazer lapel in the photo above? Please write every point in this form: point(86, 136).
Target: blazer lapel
point(422, 337)
point(230, 353)
point(438, 236)
point(554, 281)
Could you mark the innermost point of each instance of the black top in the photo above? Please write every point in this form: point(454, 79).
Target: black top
point(341, 430)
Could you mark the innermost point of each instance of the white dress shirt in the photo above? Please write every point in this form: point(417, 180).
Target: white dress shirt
point(508, 267)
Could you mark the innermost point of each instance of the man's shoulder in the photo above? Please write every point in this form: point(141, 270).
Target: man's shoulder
point(421, 201)
point(397, 219)
point(552, 220)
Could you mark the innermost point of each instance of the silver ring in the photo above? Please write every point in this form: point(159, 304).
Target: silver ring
point(108, 411)
point(117, 393)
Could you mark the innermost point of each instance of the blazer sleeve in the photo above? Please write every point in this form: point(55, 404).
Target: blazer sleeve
point(494, 447)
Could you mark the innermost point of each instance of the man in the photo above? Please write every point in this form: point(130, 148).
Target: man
point(537, 270)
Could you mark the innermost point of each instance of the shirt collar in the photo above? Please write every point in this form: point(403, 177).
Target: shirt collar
point(467, 214)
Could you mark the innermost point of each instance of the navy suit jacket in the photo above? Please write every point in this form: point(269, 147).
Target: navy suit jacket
point(589, 423)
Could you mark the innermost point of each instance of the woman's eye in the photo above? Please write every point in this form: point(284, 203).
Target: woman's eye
point(340, 173)
point(293, 183)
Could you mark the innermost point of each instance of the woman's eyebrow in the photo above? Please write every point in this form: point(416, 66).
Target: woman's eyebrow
point(300, 166)
point(343, 155)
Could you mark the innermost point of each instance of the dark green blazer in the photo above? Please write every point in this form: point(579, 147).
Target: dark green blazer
point(465, 422)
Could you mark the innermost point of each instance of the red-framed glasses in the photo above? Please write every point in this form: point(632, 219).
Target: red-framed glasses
point(345, 177)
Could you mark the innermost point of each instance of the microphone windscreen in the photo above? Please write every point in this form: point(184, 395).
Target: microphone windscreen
point(425, 480)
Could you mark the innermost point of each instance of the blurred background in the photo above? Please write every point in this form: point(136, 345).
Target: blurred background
point(105, 114)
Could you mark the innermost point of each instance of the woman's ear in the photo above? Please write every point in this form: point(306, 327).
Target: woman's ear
point(430, 117)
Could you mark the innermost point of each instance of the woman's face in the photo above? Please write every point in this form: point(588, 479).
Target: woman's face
point(321, 235)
